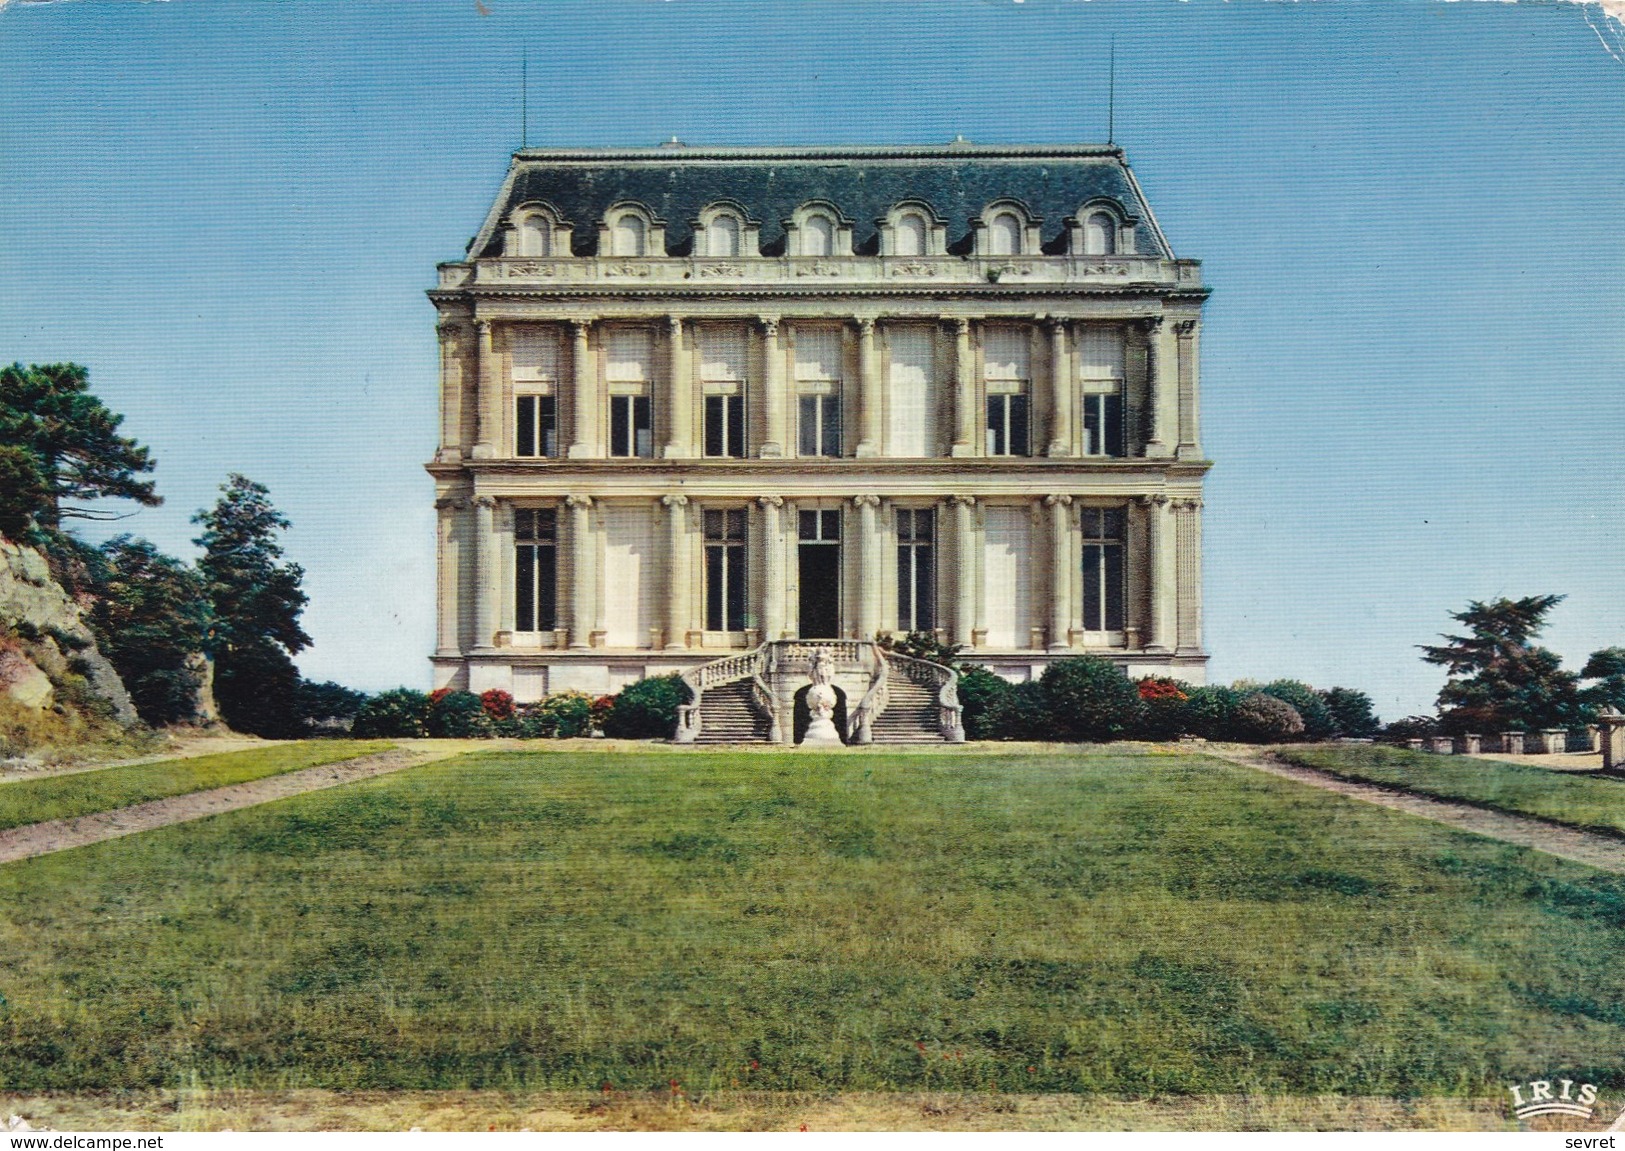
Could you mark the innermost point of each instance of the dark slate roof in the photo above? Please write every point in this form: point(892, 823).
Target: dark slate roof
point(675, 182)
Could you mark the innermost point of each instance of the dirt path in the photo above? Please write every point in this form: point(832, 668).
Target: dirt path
point(181, 747)
point(60, 834)
point(1597, 851)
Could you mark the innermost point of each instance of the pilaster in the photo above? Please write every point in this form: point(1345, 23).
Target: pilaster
point(869, 544)
point(772, 567)
point(1163, 577)
point(447, 564)
point(868, 391)
point(486, 578)
point(678, 594)
point(964, 391)
point(1061, 391)
point(451, 392)
point(1060, 590)
point(965, 563)
point(1158, 391)
point(1188, 334)
point(773, 397)
point(680, 405)
point(1188, 518)
point(582, 583)
point(584, 443)
point(489, 394)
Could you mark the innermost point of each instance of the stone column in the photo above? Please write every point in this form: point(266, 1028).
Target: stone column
point(1155, 389)
point(964, 391)
point(680, 443)
point(678, 567)
point(582, 584)
point(965, 576)
point(868, 391)
point(1060, 587)
point(868, 567)
point(1162, 577)
point(448, 561)
point(1188, 545)
point(451, 392)
point(1190, 447)
point(1612, 735)
point(485, 573)
point(487, 404)
point(1060, 398)
point(772, 568)
point(773, 397)
point(584, 395)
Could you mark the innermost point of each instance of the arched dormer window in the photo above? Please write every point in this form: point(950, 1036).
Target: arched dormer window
point(818, 230)
point(910, 229)
point(629, 230)
point(534, 230)
point(723, 232)
point(1100, 235)
point(911, 235)
point(1102, 228)
point(1006, 229)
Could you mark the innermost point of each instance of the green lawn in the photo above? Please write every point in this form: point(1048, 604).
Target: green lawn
point(84, 792)
point(1595, 803)
point(1103, 921)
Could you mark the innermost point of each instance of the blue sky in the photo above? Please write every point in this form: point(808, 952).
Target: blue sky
point(1410, 214)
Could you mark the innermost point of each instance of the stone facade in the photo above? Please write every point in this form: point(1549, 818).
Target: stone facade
point(693, 400)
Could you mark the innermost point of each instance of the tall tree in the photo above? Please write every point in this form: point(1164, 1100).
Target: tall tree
point(1499, 680)
point(1607, 667)
point(71, 440)
point(256, 601)
point(151, 618)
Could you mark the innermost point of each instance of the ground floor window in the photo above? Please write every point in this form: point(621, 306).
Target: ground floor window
point(916, 570)
point(535, 542)
point(1103, 532)
point(725, 570)
point(536, 426)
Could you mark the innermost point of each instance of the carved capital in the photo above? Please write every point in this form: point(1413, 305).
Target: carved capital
point(484, 328)
point(962, 501)
point(485, 503)
point(1185, 327)
point(1158, 500)
point(770, 326)
point(962, 327)
point(452, 503)
point(1057, 501)
point(866, 501)
point(578, 503)
point(1187, 505)
point(674, 502)
point(770, 501)
point(866, 327)
point(1151, 325)
point(674, 327)
point(1057, 325)
point(579, 326)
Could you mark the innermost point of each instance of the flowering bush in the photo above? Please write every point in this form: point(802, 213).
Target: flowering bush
point(647, 709)
point(457, 715)
point(1160, 687)
point(392, 714)
point(601, 709)
point(498, 704)
point(565, 715)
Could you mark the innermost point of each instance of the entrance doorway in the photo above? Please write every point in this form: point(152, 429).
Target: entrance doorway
point(820, 574)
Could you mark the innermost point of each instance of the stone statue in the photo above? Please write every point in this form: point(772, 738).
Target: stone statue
point(821, 703)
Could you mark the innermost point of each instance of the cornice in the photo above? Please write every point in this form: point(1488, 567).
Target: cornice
point(923, 291)
point(667, 155)
point(776, 471)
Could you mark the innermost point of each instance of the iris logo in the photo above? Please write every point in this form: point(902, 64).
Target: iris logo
point(1542, 1101)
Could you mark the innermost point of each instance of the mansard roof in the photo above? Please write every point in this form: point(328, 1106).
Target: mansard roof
point(675, 182)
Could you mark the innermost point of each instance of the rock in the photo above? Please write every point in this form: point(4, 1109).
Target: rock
point(23, 683)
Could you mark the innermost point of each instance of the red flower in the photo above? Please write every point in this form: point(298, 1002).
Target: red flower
point(497, 703)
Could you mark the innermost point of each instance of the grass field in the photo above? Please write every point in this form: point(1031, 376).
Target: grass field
point(1594, 803)
point(1112, 923)
point(81, 793)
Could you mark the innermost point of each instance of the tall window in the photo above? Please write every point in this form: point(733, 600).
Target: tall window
point(1100, 235)
point(916, 570)
point(725, 570)
point(818, 391)
point(722, 377)
point(909, 236)
point(535, 235)
point(722, 237)
point(534, 355)
point(1103, 530)
point(629, 236)
point(535, 568)
point(913, 388)
point(1004, 234)
point(629, 355)
point(1007, 370)
point(818, 236)
point(1100, 353)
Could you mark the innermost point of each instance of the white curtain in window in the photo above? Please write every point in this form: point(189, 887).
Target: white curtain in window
point(1006, 560)
point(909, 236)
point(1100, 353)
point(535, 236)
point(818, 236)
point(1100, 235)
point(722, 353)
point(627, 237)
point(722, 237)
point(912, 392)
point(1004, 234)
point(629, 576)
point(818, 354)
point(535, 354)
point(628, 354)
point(1006, 354)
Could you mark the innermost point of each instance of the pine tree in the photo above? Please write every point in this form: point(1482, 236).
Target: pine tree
point(256, 602)
point(1499, 680)
point(151, 617)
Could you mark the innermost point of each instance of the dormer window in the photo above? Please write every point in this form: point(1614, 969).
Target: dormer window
point(723, 232)
point(1100, 235)
point(1004, 234)
point(1101, 228)
point(631, 230)
point(912, 229)
point(818, 236)
point(722, 238)
point(817, 229)
point(629, 237)
point(1005, 229)
point(910, 237)
point(535, 237)
point(534, 231)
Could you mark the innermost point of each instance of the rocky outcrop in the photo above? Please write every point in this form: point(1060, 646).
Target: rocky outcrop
point(47, 652)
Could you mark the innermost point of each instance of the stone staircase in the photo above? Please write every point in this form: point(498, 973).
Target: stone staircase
point(750, 697)
point(727, 715)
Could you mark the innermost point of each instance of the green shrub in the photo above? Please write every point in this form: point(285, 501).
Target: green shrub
point(980, 693)
point(397, 714)
point(458, 715)
point(1411, 727)
point(565, 715)
point(1351, 710)
point(1210, 712)
point(1089, 698)
point(1318, 721)
point(1023, 713)
point(1262, 718)
point(647, 709)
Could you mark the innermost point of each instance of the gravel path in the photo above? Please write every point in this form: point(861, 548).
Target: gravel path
point(60, 834)
point(1597, 851)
